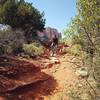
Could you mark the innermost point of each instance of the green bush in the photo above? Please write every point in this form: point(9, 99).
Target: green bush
point(33, 49)
point(10, 41)
point(76, 50)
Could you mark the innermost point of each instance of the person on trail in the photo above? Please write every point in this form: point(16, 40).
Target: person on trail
point(54, 45)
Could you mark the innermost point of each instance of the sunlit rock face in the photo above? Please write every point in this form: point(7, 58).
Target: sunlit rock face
point(49, 34)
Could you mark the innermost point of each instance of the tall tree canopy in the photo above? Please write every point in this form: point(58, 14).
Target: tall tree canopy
point(21, 14)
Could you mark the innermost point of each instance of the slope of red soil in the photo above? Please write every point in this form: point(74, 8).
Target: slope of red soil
point(21, 80)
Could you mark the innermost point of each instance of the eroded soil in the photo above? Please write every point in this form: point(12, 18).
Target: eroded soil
point(51, 78)
point(21, 80)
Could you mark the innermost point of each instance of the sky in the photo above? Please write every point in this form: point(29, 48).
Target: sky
point(58, 13)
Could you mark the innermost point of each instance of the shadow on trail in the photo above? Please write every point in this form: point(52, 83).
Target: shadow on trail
point(21, 80)
point(33, 91)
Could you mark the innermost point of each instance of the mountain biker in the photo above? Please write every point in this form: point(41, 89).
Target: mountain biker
point(54, 45)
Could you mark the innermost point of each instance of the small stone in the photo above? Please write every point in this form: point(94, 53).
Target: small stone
point(20, 96)
point(82, 72)
point(5, 60)
point(79, 85)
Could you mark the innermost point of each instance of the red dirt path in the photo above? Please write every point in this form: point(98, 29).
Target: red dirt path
point(21, 80)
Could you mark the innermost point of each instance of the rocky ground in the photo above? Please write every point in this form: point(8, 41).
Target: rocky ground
point(51, 78)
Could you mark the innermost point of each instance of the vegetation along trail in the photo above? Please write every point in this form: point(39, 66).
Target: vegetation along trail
point(38, 62)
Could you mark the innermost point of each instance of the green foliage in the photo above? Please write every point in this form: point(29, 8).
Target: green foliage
point(8, 10)
point(88, 27)
point(20, 14)
point(10, 41)
point(33, 49)
point(74, 95)
point(84, 31)
point(85, 35)
point(76, 50)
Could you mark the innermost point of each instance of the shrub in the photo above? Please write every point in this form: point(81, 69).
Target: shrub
point(11, 40)
point(75, 50)
point(33, 49)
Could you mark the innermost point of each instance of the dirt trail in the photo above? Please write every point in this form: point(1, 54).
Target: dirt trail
point(52, 80)
point(65, 76)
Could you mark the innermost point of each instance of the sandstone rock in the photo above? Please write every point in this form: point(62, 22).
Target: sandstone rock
point(54, 60)
point(19, 73)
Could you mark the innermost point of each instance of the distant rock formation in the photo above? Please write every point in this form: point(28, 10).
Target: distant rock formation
point(48, 34)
